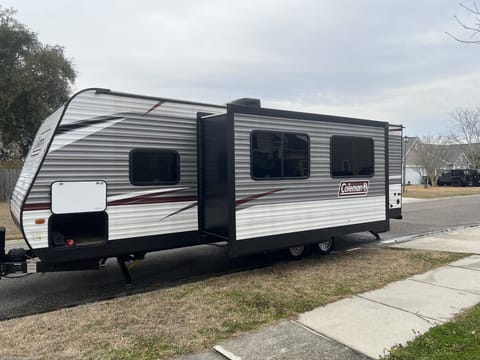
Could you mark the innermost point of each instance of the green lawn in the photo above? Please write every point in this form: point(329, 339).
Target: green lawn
point(458, 339)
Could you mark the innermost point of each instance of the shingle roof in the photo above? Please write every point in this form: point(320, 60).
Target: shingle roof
point(453, 155)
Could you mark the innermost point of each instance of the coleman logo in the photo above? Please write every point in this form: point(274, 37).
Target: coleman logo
point(353, 188)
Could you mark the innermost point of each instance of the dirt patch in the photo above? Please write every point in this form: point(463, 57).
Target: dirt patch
point(432, 192)
point(193, 317)
point(7, 222)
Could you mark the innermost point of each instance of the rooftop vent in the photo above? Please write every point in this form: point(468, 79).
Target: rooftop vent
point(247, 102)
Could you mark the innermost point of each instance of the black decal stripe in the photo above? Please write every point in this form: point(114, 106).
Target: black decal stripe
point(86, 123)
point(140, 198)
point(101, 119)
point(157, 200)
point(240, 204)
point(179, 211)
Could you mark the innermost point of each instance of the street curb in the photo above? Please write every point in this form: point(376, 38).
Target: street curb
point(439, 198)
point(429, 233)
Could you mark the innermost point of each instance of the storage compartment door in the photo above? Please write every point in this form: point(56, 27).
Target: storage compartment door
point(79, 217)
point(72, 197)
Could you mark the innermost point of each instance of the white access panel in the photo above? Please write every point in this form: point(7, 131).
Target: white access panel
point(78, 196)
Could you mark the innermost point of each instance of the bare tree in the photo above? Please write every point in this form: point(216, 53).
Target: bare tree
point(466, 130)
point(432, 153)
point(473, 27)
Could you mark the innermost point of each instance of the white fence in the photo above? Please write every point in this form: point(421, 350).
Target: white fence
point(8, 177)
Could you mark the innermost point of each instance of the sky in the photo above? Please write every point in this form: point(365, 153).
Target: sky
point(376, 59)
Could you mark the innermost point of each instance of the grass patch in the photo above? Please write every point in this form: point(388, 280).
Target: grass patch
point(458, 339)
point(433, 192)
point(193, 317)
point(7, 222)
point(142, 349)
point(428, 258)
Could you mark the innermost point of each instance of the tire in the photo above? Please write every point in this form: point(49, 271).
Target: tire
point(439, 183)
point(325, 247)
point(470, 183)
point(296, 252)
point(456, 182)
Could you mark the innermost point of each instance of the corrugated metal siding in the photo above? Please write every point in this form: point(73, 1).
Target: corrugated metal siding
point(32, 162)
point(395, 157)
point(132, 221)
point(274, 219)
point(101, 152)
point(320, 186)
point(395, 167)
point(37, 234)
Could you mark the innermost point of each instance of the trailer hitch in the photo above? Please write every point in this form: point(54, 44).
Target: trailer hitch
point(21, 261)
point(7, 268)
point(16, 261)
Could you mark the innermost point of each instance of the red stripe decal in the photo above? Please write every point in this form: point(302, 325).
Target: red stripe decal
point(134, 199)
point(153, 200)
point(138, 201)
point(43, 206)
point(148, 199)
point(254, 197)
point(154, 107)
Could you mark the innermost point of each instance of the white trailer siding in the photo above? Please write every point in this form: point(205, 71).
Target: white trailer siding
point(93, 143)
point(304, 204)
point(32, 162)
point(395, 167)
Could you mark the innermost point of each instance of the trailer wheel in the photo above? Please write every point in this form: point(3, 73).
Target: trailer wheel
point(456, 182)
point(326, 247)
point(296, 252)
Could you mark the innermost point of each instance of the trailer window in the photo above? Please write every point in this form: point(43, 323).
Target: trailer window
point(154, 167)
point(279, 155)
point(351, 156)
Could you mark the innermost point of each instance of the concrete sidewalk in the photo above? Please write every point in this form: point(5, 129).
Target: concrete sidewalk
point(369, 324)
point(466, 240)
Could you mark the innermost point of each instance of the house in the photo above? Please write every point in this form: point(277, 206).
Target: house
point(454, 156)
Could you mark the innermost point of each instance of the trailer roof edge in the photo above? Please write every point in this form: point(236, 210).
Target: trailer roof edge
point(123, 94)
point(303, 115)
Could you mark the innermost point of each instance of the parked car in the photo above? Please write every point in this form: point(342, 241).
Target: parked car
point(459, 177)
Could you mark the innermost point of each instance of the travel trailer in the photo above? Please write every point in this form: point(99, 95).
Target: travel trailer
point(272, 179)
point(119, 175)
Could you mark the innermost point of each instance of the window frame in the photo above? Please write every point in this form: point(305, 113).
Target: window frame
point(152, 183)
point(281, 177)
point(351, 176)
